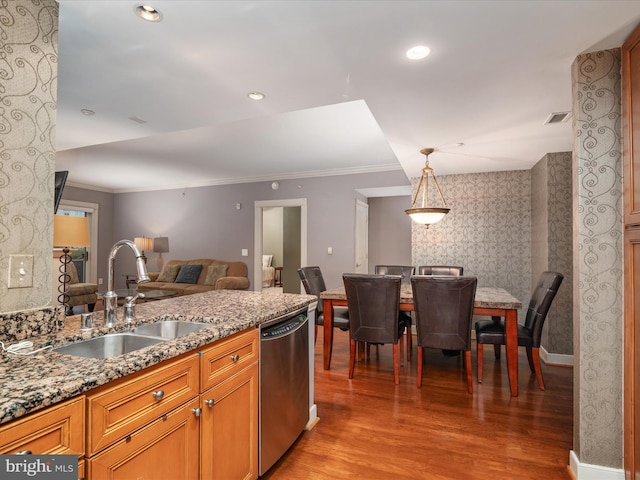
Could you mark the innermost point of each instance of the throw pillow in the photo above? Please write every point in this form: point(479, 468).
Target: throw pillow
point(189, 274)
point(168, 273)
point(214, 272)
point(266, 260)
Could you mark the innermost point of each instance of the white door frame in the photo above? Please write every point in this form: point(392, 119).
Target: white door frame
point(259, 206)
point(92, 210)
point(361, 237)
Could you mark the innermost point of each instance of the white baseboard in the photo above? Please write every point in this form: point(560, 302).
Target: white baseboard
point(584, 471)
point(555, 358)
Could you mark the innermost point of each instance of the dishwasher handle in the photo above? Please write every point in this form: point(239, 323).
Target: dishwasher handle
point(286, 327)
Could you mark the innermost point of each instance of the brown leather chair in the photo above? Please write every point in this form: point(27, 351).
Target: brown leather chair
point(444, 312)
point(529, 334)
point(79, 293)
point(374, 306)
point(405, 271)
point(313, 283)
point(440, 270)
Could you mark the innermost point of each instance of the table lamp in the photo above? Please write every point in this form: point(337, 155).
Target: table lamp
point(160, 246)
point(68, 231)
point(143, 243)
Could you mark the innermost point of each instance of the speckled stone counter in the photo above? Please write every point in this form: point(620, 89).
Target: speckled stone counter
point(29, 383)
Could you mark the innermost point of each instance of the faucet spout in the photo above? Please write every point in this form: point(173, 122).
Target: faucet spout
point(110, 299)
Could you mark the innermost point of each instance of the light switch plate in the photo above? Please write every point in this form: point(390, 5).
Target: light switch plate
point(245, 252)
point(20, 271)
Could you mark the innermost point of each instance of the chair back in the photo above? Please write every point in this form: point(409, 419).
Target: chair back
point(444, 311)
point(374, 302)
point(313, 283)
point(540, 303)
point(440, 270)
point(405, 271)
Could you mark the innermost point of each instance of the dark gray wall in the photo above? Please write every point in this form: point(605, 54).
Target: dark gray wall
point(389, 231)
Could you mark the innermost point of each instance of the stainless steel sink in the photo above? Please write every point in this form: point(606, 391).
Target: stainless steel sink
point(108, 346)
point(169, 329)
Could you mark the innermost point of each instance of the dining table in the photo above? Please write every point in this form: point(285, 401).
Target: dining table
point(492, 301)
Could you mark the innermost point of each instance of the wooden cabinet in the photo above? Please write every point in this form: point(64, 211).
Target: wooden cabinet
point(134, 401)
point(55, 430)
point(631, 181)
point(165, 448)
point(229, 402)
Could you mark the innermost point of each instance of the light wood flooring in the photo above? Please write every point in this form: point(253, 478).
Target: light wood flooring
point(371, 429)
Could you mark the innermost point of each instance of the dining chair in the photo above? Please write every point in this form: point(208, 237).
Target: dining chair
point(440, 270)
point(313, 283)
point(374, 306)
point(444, 313)
point(405, 271)
point(529, 334)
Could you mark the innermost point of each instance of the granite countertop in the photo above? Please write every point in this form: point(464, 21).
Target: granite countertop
point(29, 383)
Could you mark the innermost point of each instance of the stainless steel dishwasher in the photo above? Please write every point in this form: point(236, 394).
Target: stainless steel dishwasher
point(284, 385)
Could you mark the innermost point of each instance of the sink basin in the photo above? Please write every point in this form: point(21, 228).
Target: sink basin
point(108, 346)
point(169, 329)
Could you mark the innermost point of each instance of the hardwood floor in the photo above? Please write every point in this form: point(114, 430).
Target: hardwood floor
point(370, 428)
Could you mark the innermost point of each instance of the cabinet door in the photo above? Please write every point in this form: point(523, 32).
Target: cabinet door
point(229, 428)
point(57, 430)
point(165, 449)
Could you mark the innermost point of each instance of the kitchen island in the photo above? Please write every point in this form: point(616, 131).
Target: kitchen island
point(33, 383)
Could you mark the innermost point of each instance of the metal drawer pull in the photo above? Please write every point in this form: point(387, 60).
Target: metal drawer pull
point(24, 452)
point(196, 411)
point(235, 358)
point(159, 395)
point(209, 402)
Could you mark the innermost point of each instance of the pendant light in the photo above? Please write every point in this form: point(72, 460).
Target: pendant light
point(424, 214)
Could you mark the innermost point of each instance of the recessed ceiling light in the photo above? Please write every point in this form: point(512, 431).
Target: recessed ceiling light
point(418, 52)
point(255, 95)
point(87, 112)
point(148, 13)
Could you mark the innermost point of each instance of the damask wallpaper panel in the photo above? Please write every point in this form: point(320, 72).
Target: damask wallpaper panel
point(28, 75)
point(487, 231)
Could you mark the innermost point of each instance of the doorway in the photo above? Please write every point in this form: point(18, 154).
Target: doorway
point(280, 226)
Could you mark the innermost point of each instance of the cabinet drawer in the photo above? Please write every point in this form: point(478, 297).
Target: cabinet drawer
point(227, 357)
point(165, 449)
point(57, 430)
point(135, 401)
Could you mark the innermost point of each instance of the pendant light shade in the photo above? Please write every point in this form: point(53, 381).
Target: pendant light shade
point(421, 212)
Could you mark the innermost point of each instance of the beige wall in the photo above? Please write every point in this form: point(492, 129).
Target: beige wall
point(27, 146)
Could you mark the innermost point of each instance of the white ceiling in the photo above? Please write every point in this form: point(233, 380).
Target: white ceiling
point(341, 97)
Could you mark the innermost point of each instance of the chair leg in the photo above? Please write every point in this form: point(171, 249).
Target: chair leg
point(467, 363)
point(480, 350)
point(533, 355)
point(496, 351)
point(315, 334)
point(419, 382)
point(396, 359)
point(409, 344)
point(400, 343)
point(352, 356)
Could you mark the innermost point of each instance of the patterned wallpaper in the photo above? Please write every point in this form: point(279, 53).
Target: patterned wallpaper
point(487, 231)
point(598, 256)
point(28, 76)
point(552, 244)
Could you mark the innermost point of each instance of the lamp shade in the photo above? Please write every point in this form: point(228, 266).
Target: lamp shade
point(161, 244)
point(70, 231)
point(143, 243)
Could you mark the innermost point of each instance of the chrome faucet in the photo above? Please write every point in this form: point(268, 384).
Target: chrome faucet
point(110, 299)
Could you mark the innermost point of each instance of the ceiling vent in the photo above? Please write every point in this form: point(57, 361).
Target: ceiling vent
point(558, 117)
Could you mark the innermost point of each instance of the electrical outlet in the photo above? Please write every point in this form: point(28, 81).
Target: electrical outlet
point(99, 281)
point(245, 252)
point(20, 271)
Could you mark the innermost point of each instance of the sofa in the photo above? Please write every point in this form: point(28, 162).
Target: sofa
point(185, 277)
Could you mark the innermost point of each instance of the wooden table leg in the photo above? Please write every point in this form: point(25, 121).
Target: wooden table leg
point(511, 328)
point(328, 333)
